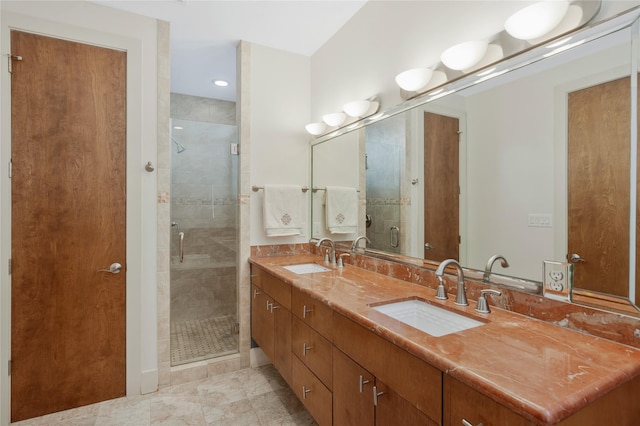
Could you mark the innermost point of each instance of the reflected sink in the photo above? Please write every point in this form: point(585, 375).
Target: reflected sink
point(306, 268)
point(428, 318)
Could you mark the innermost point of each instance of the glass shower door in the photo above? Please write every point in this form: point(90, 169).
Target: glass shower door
point(204, 300)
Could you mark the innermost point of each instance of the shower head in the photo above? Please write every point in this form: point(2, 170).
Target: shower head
point(179, 146)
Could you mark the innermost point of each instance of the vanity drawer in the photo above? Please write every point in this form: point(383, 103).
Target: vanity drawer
point(312, 312)
point(273, 286)
point(313, 394)
point(313, 350)
point(410, 377)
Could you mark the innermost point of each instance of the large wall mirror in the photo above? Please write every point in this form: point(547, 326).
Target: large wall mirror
point(537, 163)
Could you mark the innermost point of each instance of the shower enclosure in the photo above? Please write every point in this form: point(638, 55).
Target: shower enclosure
point(204, 170)
point(384, 167)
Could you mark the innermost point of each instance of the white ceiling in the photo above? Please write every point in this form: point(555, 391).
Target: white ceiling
point(204, 34)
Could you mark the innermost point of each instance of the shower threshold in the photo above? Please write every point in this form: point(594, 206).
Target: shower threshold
point(197, 340)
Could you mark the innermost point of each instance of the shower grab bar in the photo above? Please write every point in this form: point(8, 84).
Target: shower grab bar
point(181, 235)
point(256, 188)
point(394, 236)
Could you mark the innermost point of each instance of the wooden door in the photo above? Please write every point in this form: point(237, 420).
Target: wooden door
point(352, 392)
point(598, 186)
point(68, 137)
point(441, 187)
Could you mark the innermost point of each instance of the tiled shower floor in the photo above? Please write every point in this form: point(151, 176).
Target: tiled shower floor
point(197, 340)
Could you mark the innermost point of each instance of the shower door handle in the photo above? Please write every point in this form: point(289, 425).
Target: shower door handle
point(181, 246)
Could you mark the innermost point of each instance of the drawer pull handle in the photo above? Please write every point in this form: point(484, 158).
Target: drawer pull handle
point(376, 394)
point(274, 306)
point(305, 348)
point(268, 305)
point(305, 311)
point(256, 293)
point(305, 391)
point(362, 382)
point(466, 423)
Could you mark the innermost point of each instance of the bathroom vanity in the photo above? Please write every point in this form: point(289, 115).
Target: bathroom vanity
point(351, 364)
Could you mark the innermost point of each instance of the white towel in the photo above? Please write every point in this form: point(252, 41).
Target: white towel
point(341, 207)
point(282, 210)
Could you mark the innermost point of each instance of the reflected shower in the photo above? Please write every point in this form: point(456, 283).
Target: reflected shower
point(179, 146)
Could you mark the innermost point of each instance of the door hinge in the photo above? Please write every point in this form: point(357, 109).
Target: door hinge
point(10, 168)
point(12, 58)
point(234, 149)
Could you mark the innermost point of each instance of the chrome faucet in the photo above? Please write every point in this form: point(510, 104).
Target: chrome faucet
point(357, 240)
point(461, 296)
point(490, 262)
point(332, 248)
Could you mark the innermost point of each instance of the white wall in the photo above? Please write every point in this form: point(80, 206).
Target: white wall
point(279, 109)
point(87, 22)
point(387, 37)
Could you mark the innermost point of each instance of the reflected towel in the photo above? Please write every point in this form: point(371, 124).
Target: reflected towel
point(282, 210)
point(341, 207)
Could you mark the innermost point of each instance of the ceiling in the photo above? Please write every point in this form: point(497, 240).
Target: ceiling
point(204, 34)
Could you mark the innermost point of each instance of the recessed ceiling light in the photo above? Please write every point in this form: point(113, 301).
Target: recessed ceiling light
point(221, 83)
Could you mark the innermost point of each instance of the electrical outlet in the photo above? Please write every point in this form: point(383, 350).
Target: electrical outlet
point(557, 280)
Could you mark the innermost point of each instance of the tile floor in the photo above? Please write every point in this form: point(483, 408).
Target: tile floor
point(251, 397)
point(197, 340)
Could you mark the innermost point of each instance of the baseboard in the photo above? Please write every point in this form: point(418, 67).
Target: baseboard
point(148, 381)
point(257, 358)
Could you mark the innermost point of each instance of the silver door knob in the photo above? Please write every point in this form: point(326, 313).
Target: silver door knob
point(114, 268)
point(575, 258)
point(428, 246)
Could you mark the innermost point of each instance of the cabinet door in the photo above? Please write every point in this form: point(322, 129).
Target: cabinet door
point(393, 410)
point(352, 392)
point(262, 321)
point(282, 342)
point(463, 403)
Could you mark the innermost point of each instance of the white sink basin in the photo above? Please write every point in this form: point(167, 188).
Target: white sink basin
point(306, 268)
point(428, 318)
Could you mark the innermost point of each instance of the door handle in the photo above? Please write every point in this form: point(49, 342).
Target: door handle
point(575, 258)
point(428, 246)
point(181, 236)
point(114, 268)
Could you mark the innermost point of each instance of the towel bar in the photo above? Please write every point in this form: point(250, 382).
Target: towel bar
point(256, 188)
point(316, 189)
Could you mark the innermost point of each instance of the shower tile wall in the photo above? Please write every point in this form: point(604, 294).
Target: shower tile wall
point(385, 147)
point(204, 207)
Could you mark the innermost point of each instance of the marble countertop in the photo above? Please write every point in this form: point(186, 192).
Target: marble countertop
point(539, 370)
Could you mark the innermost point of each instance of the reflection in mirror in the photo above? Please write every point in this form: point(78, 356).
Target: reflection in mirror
point(515, 133)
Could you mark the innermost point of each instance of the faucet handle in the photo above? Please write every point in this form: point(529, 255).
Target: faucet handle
point(483, 305)
point(340, 262)
point(441, 292)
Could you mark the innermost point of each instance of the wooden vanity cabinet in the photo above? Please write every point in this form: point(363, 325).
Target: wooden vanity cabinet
point(410, 386)
point(315, 396)
point(463, 403)
point(359, 398)
point(271, 320)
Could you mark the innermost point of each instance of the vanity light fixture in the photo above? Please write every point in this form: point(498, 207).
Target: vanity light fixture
point(464, 55)
point(357, 108)
point(334, 119)
point(414, 79)
point(316, 128)
point(536, 20)
point(220, 83)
